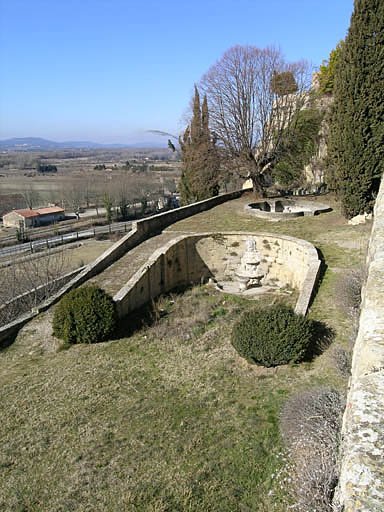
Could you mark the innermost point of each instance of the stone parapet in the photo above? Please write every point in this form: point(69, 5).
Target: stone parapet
point(141, 230)
point(193, 258)
point(361, 485)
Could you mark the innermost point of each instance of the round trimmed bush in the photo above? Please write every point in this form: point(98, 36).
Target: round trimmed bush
point(272, 336)
point(85, 315)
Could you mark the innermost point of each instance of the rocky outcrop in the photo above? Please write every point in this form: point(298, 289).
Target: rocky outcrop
point(314, 172)
point(361, 486)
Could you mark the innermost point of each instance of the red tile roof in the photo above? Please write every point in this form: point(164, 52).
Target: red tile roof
point(50, 209)
point(26, 212)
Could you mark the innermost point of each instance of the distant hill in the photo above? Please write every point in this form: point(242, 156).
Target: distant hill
point(38, 144)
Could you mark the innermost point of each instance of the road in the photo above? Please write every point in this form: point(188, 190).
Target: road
point(65, 238)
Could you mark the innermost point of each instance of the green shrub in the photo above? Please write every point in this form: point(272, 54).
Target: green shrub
point(272, 336)
point(85, 315)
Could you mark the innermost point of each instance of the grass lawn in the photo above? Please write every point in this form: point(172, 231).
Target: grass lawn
point(169, 418)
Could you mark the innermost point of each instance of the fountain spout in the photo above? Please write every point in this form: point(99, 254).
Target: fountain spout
point(249, 274)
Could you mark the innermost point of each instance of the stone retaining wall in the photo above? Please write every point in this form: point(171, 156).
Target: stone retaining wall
point(21, 303)
point(190, 259)
point(361, 487)
point(141, 230)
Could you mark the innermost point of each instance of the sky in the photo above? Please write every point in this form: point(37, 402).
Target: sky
point(109, 70)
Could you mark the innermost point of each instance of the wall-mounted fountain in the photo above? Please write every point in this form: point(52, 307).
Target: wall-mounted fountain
point(249, 274)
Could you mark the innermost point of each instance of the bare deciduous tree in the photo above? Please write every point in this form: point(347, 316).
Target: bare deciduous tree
point(74, 196)
point(253, 97)
point(31, 196)
point(31, 281)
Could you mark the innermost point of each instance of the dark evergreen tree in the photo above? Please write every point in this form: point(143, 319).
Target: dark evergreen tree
point(200, 170)
point(356, 137)
point(299, 145)
point(327, 70)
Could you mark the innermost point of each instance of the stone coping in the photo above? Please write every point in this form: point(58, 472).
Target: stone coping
point(12, 327)
point(141, 230)
point(307, 288)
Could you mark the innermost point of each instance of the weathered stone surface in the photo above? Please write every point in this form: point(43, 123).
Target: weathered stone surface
point(191, 258)
point(361, 486)
point(360, 219)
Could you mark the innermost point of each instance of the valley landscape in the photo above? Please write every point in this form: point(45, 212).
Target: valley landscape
point(191, 316)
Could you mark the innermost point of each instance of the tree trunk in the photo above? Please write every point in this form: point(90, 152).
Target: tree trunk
point(258, 185)
point(256, 176)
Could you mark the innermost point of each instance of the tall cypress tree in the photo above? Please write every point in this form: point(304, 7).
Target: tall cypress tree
point(200, 170)
point(356, 135)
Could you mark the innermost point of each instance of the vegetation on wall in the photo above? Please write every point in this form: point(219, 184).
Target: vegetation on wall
point(283, 83)
point(300, 142)
point(201, 166)
point(327, 70)
point(356, 134)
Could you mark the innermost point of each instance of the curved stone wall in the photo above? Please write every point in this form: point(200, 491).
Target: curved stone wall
point(361, 487)
point(141, 230)
point(281, 209)
point(194, 258)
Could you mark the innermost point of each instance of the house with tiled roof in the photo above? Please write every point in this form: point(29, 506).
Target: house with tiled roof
point(28, 218)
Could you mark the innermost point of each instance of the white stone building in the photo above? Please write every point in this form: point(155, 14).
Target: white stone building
point(28, 218)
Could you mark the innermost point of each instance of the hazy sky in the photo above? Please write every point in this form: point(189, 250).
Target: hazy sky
point(107, 70)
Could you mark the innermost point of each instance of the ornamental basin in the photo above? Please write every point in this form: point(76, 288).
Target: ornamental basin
point(281, 209)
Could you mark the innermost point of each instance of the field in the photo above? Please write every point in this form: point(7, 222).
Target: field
point(90, 173)
point(166, 417)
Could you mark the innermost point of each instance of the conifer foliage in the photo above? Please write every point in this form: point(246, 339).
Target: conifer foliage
point(327, 70)
point(356, 138)
point(200, 171)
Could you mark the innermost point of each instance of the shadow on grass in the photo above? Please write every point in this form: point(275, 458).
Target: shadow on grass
point(135, 321)
point(8, 341)
point(146, 316)
point(322, 338)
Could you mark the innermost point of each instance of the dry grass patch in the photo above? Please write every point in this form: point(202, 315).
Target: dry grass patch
point(170, 418)
point(157, 421)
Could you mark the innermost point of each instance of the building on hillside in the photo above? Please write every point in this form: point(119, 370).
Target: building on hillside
point(27, 218)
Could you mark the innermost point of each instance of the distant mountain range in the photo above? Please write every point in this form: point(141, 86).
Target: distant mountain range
point(38, 144)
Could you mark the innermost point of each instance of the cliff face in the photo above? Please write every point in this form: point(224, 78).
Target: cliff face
point(314, 172)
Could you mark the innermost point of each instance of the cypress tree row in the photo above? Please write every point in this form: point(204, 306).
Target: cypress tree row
point(200, 170)
point(356, 135)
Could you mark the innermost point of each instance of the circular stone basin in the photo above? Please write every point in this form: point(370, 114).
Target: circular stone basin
point(280, 209)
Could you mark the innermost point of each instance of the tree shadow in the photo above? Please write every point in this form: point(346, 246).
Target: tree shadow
point(145, 316)
point(322, 338)
point(7, 342)
point(135, 321)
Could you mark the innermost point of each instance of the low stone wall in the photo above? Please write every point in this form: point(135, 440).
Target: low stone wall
point(361, 487)
point(193, 258)
point(141, 230)
point(21, 303)
point(285, 209)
